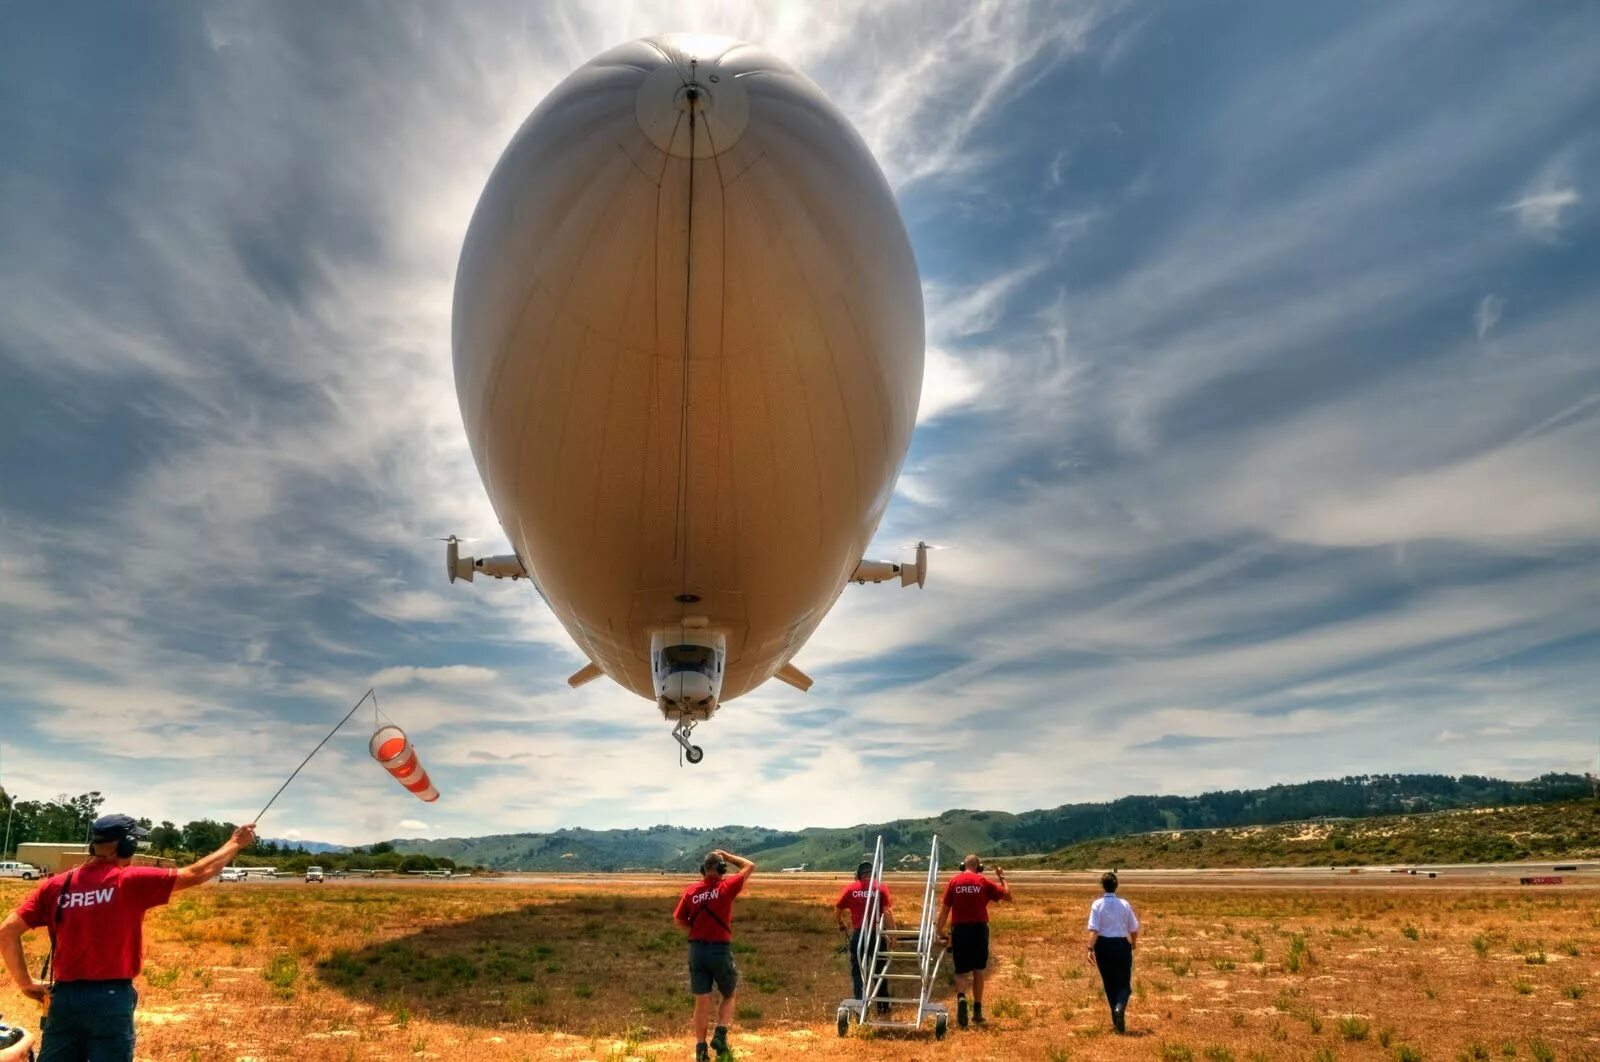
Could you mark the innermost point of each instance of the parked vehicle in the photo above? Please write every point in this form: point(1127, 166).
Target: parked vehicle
point(232, 874)
point(25, 871)
point(314, 874)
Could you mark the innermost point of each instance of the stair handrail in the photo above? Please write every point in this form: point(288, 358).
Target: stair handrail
point(871, 932)
point(925, 929)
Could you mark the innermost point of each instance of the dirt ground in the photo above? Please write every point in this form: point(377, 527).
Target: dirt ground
point(1242, 968)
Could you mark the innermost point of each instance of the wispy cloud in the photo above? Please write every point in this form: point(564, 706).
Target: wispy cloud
point(1546, 201)
point(1490, 308)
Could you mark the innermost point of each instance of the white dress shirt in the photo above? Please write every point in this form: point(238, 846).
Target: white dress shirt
point(1112, 916)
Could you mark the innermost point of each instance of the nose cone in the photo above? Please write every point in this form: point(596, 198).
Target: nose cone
point(692, 106)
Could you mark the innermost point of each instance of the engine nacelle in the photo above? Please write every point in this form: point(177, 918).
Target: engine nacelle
point(507, 566)
point(870, 571)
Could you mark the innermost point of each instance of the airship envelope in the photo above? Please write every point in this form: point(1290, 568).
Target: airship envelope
point(393, 751)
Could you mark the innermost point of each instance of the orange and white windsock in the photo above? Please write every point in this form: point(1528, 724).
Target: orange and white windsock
point(393, 751)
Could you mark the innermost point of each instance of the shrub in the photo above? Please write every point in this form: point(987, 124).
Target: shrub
point(1541, 1051)
point(281, 973)
point(1216, 1053)
point(1573, 991)
point(1407, 1053)
point(1473, 1052)
point(1006, 1007)
point(1480, 944)
point(1523, 986)
point(1410, 932)
point(1174, 1052)
point(1354, 1028)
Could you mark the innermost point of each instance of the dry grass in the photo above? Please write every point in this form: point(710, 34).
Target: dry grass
point(576, 971)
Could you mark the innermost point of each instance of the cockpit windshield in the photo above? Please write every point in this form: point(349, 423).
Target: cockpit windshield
point(676, 658)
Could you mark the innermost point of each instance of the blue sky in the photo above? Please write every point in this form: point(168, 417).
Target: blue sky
point(1262, 407)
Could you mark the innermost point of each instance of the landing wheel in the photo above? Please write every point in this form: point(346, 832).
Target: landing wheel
point(843, 1020)
point(694, 754)
point(941, 1025)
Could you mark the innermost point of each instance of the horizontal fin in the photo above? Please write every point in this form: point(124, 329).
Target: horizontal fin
point(587, 673)
point(794, 677)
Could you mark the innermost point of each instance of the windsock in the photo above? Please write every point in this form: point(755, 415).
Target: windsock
point(393, 751)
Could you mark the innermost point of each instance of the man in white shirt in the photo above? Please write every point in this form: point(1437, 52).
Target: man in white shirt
point(1113, 934)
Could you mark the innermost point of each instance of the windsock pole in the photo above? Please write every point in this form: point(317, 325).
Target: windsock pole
point(316, 750)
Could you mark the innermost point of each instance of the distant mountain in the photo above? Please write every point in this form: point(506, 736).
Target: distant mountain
point(1569, 830)
point(314, 847)
point(996, 833)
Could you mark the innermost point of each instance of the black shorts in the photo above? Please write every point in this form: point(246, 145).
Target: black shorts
point(711, 964)
point(969, 946)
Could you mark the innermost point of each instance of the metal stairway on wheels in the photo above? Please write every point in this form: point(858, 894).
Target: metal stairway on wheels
point(899, 967)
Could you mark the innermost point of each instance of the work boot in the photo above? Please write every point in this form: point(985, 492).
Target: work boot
point(719, 1043)
point(977, 1013)
point(702, 1053)
point(961, 1011)
point(1118, 1018)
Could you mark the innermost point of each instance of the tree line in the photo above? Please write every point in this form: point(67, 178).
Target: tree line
point(67, 820)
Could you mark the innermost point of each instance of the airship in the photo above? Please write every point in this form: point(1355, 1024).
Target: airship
point(688, 348)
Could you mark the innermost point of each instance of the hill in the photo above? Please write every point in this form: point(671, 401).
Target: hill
point(998, 833)
point(1563, 830)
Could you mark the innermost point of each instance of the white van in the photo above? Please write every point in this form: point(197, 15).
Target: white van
point(25, 871)
point(314, 874)
point(232, 874)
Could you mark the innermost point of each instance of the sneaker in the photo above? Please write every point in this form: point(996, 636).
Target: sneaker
point(1118, 1019)
point(977, 1014)
point(961, 1012)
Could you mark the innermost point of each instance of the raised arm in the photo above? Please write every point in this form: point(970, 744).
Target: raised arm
point(745, 866)
point(203, 870)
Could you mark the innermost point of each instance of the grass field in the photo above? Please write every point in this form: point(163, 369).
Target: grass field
point(575, 971)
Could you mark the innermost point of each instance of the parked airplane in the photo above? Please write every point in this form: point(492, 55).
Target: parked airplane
point(688, 341)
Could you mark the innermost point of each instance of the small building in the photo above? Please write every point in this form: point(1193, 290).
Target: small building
point(53, 858)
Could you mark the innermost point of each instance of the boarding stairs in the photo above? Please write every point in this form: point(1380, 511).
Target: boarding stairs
point(899, 967)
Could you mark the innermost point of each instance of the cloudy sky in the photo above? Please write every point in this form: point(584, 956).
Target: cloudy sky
point(1262, 407)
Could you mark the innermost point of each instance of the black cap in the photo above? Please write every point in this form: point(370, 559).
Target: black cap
point(115, 828)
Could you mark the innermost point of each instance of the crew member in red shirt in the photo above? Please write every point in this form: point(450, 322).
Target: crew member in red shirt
point(706, 910)
point(966, 908)
point(94, 914)
point(854, 901)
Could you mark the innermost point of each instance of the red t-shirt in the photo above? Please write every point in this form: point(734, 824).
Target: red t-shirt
point(101, 918)
point(854, 900)
point(968, 896)
point(708, 908)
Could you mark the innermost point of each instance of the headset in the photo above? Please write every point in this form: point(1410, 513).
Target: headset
point(127, 845)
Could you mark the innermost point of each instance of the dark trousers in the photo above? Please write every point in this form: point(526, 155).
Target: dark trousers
point(89, 1021)
point(1114, 957)
point(858, 980)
